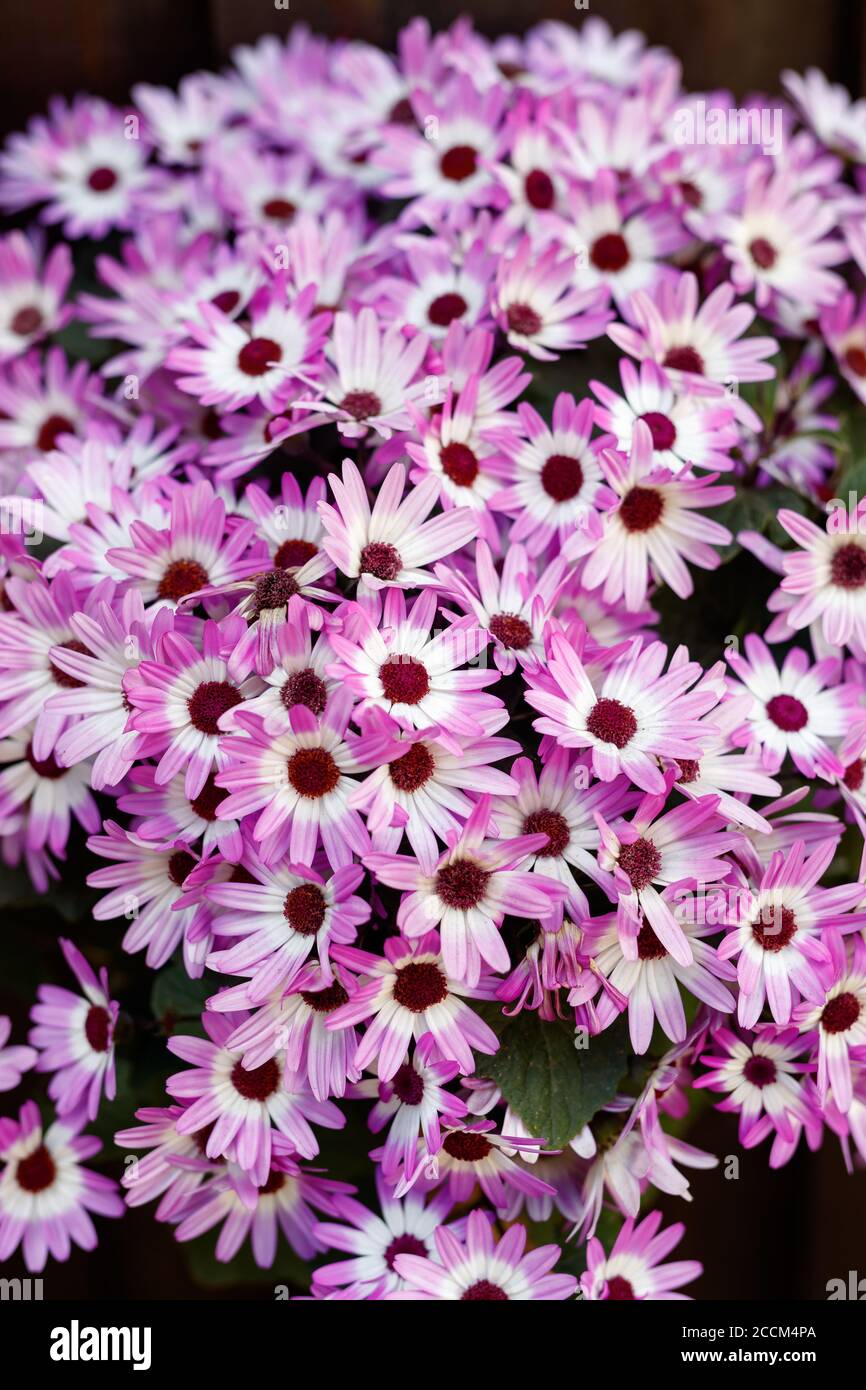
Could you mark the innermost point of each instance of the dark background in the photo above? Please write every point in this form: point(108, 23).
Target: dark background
point(766, 1235)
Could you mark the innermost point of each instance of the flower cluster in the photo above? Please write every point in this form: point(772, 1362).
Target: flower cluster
point(347, 619)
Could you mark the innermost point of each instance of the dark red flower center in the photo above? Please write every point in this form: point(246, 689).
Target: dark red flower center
point(774, 928)
point(690, 770)
point(408, 1085)
point(404, 680)
point(226, 301)
point(684, 359)
point(304, 908)
point(305, 688)
point(401, 113)
point(37, 1171)
point(97, 1028)
point(484, 1291)
point(619, 1289)
point(855, 360)
point(415, 767)
point(763, 253)
point(523, 320)
point(690, 193)
point(209, 702)
point(641, 509)
point(459, 163)
point(610, 252)
point(27, 321)
point(313, 772)
point(274, 1182)
point(209, 798)
point(853, 777)
point(45, 767)
point(640, 862)
point(294, 553)
point(459, 464)
point(848, 566)
point(446, 308)
point(612, 722)
point(280, 209)
point(552, 824)
point(182, 577)
point(648, 945)
point(273, 590)
point(840, 1013)
point(259, 1083)
point(760, 1071)
point(512, 631)
point(788, 713)
point(663, 430)
point(180, 866)
point(562, 477)
point(361, 405)
point(101, 180)
point(62, 678)
point(51, 430)
point(539, 190)
point(466, 1146)
point(258, 356)
point(325, 1001)
point(462, 883)
point(381, 560)
point(404, 1245)
point(419, 985)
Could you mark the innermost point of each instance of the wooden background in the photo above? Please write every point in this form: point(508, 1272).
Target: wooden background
point(765, 1236)
point(106, 45)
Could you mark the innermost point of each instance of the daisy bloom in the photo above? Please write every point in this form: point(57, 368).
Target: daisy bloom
point(391, 543)
point(466, 894)
point(405, 1227)
point(653, 529)
point(827, 576)
point(540, 306)
point(75, 1037)
point(760, 1078)
point(633, 1269)
point(408, 993)
point(840, 1021)
point(46, 1196)
point(483, 1268)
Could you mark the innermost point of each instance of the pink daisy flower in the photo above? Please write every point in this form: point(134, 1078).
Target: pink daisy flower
point(33, 287)
point(46, 1196)
point(468, 892)
point(299, 779)
point(827, 577)
point(233, 365)
point(410, 1104)
point(374, 377)
point(195, 550)
point(540, 307)
point(244, 1106)
point(554, 475)
point(278, 916)
point(391, 543)
point(390, 662)
point(652, 530)
point(795, 710)
point(287, 1202)
point(688, 429)
point(41, 798)
point(840, 1021)
point(75, 1037)
point(179, 699)
point(408, 993)
point(778, 929)
point(483, 1268)
point(633, 1269)
point(760, 1078)
point(405, 1227)
point(637, 716)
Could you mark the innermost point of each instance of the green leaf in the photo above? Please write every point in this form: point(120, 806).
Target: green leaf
point(176, 998)
point(553, 1086)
